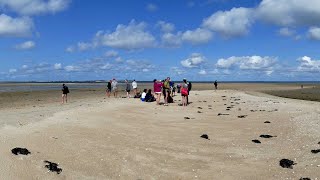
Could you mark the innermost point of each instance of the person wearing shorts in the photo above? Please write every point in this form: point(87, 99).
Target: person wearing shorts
point(108, 90)
point(128, 88)
point(157, 85)
point(114, 87)
point(65, 91)
point(134, 87)
point(184, 93)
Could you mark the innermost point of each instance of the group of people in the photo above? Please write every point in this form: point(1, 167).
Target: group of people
point(112, 87)
point(165, 87)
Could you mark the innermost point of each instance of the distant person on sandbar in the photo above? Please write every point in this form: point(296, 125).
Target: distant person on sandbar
point(134, 87)
point(184, 92)
point(65, 91)
point(128, 88)
point(114, 87)
point(157, 85)
point(215, 85)
point(108, 90)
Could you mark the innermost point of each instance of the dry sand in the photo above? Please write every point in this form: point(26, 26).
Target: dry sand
point(100, 138)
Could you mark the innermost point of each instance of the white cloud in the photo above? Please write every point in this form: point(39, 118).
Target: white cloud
point(290, 13)
point(286, 32)
point(308, 65)
point(18, 27)
point(202, 72)
point(12, 70)
point(235, 22)
point(151, 7)
point(26, 45)
point(265, 64)
point(111, 53)
point(193, 61)
point(165, 26)
point(57, 66)
point(130, 37)
point(178, 71)
point(82, 46)
point(33, 7)
point(314, 33)
point(198, 36)
point(70, 49)
point(171, 40)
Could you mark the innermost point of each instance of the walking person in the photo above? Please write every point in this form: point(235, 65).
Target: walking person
point(215, 85)
point(108, 90)
point(134, 87)
point(157, 85)
point(128, 88)
point(114, 87)
point(65, 91)
point(189, 88)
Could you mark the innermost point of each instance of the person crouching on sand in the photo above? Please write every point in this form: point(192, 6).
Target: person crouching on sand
point(65, 91)
point(157, 85)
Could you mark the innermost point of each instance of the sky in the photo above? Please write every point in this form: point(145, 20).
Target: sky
point(204, 40)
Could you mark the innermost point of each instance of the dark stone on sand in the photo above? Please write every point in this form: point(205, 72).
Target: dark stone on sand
point(223, 96)
point(199, 112)
point(209, 105)
point(199, 107)
point(205, 136)
point(306, 178)
point(267, 122)
point(228, 109)
point(266, 136)
point(242, 116)
point(53, 167)
point(204, 101)
point(319, 142)
point(286, 163)
point(220, 114)
point(22, 151)
point(186, 118)
point(315, 151)
point(256, 141)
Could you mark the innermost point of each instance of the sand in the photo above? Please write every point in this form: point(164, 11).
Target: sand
point(94, 137)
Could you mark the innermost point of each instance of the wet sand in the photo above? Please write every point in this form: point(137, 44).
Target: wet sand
point(94, 137)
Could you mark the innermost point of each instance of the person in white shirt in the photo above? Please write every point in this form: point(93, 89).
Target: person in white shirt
point(114, 87)
point(134, 87)
point(143, 95)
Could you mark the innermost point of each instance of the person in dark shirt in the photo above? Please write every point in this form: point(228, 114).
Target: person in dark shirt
point(215, 85)
point(65, 91)
point(108, 90)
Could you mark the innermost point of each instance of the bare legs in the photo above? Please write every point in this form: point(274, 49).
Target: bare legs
point(166, 98)
point(158, 98)
point(64, 97)
point(128, 94)
point(184, 100)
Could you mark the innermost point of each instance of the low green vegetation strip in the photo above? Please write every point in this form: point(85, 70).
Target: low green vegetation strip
point(310, 94)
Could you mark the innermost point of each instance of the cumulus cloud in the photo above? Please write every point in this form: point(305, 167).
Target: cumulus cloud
point(198, 36)
point(314, 33)
point(70, 49)
point(129, 37)
point(165, 26)
point(26, 45)
point(286, 32)
point(151, 7)
point(57, 66)
point(34, 7)
point(16, 27)
point(235, 22)
point(193, 61)
point(308, 65)
point(265, 64)
point(171, 40)
point(202, 72)
point(83, 46)
point(290, 13)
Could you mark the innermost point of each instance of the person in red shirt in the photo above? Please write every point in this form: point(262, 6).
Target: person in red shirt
point(157, 85)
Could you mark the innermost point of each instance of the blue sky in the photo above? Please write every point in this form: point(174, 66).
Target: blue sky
point(228, 40)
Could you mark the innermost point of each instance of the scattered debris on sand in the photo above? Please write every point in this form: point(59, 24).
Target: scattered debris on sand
point(53, 167)
point(256, 141)
point(286, 163)
point(22, 151)
point(205, 136)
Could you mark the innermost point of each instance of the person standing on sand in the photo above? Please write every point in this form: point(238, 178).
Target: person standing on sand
point(189, 88)
point(108, 91)
point(65, 91)
point(114, 87)
point(184, 93)
point(157, 85)
point(215, 85)
point(166, 90)
point(134, 87)
point(128, 89)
